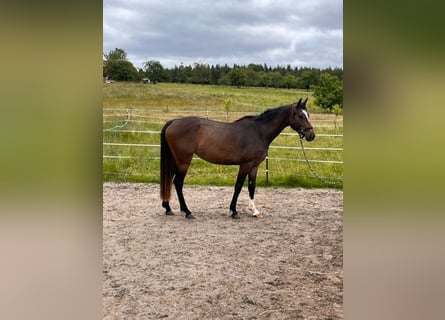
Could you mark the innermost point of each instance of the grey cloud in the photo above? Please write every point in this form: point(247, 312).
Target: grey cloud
point(273, 32)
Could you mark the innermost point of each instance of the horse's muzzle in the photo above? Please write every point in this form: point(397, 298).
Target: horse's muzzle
point(310, 136)
point(307, 133)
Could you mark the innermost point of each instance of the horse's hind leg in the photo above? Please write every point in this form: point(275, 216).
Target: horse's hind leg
point(168, 209)
point(179, 183)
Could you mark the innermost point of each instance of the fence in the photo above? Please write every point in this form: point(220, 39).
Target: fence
point(131, 150)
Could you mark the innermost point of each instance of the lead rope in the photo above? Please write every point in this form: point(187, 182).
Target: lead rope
point(312, 168)
point(119, 126)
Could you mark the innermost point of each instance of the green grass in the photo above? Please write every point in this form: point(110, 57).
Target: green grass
point(199, 97)
point(150, 106)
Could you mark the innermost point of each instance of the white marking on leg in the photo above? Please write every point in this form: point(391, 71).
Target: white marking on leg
point(252, 207)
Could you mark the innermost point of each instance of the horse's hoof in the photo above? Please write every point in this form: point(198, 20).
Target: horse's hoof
point(235, 216)
point(170, 213)
point(189, 216)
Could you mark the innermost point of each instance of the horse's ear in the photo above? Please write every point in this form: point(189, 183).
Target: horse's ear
point(304, 103)
point(294, 108)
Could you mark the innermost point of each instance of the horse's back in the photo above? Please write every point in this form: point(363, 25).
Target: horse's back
point(182, 134)
point(195, 128)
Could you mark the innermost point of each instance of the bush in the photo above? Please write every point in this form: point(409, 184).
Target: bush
point(329, 92)
point(121, 70)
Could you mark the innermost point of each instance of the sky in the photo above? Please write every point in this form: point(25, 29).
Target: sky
point(302, 33)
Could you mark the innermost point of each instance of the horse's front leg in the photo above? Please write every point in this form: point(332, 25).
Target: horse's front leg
point(252, 185)
point(238, 186)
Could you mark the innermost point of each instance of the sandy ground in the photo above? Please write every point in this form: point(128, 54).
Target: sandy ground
point(286, 265)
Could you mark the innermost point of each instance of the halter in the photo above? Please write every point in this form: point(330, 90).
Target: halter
point(301, 134)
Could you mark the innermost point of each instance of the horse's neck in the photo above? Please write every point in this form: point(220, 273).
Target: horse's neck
point(275, 123)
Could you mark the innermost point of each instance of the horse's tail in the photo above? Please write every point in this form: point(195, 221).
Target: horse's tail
point(168, 166)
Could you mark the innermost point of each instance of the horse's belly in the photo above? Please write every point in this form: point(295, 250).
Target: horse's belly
point(219, 155)
point(230, 154)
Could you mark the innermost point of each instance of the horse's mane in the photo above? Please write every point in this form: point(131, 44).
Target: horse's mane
point(266, 113)
point(244, 118)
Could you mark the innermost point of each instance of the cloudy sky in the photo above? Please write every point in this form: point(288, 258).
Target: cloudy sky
point(277, 32)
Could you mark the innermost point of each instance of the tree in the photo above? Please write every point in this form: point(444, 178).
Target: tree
point(308, 78)
point(252, 77)
point(181, 74)
point(117, 67)
point(237, 77)
point(329, 92)
point(121, 70)
point(154, 71)
point(289, 81)
point(200, 74)
point(275, 79)
point(336, 109)
point(116, 54)
point(227, 107)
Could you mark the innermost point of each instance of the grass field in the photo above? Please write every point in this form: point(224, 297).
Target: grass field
point(134, 114)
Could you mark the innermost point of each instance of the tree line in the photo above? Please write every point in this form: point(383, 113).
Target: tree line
point(328, 81)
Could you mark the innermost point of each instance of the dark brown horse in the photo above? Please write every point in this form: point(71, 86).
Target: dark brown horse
point(243, 142)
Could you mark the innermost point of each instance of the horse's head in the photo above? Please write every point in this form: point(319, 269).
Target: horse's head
point(300, 121)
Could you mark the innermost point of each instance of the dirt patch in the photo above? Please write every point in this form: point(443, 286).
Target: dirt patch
point(287, 265)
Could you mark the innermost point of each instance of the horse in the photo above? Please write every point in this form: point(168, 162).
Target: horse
point(244, 142)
